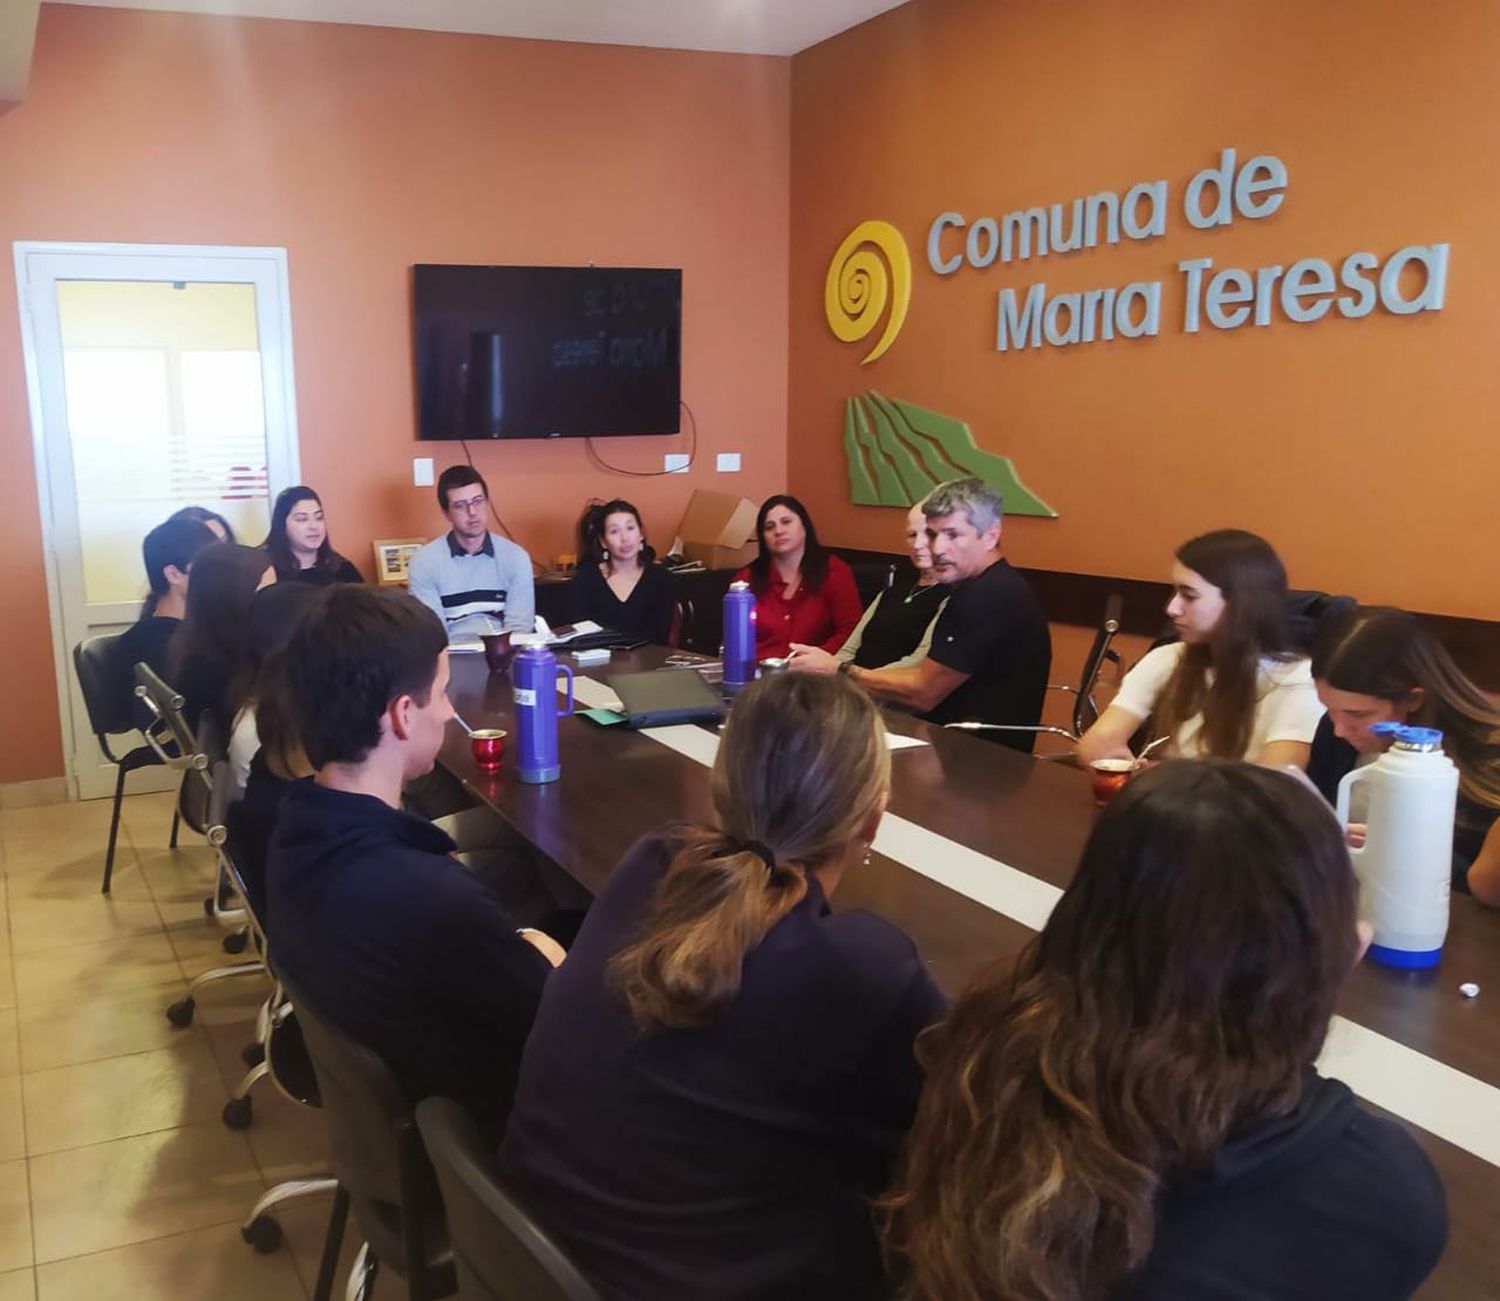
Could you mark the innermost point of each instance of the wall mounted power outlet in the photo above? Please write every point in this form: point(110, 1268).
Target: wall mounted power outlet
point(421, 472)
point(727, 462)
point(675, 462)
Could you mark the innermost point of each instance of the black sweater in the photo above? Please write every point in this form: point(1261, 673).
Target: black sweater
point(400, 948)
point(733, 1162)
point(645, 615)
point(1329, 1203)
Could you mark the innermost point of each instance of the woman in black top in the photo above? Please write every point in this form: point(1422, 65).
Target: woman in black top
point(168, 552)
point(298, 541)
point(722, 1070)
point(1382, 666)
point(208, 659)
point(618, 584)
point(896, 630)
point(1132, 1110)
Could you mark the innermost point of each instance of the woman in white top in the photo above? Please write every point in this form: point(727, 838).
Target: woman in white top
point(1229, 687)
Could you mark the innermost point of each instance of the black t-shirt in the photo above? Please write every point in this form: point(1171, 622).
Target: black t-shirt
point(735, 1161)
point(1329, 1203)
point(645, 615)
point(145, 641)
point(338, 570)
point(994, 630)
point(1332, 759)
point(897, 623)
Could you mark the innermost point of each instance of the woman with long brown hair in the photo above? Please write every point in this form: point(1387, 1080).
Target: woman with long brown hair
point(1132, 1110)
point(1383, 666)
point(1229, 686)
point(803, 592)
point(619, 585)
point(720, 1074)
point(208, 658)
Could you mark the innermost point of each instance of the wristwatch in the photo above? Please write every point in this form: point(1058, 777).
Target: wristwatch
point(846, 666)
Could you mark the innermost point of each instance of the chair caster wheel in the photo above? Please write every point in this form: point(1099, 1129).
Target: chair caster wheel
point(253, 1053)
point(238, 1112)
point(181, 1012)
point(235, 942)
point(263, 1233)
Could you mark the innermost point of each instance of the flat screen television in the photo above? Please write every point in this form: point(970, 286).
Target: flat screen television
point(547, 352)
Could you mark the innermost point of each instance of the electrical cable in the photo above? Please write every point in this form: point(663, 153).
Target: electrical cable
point(649, 474)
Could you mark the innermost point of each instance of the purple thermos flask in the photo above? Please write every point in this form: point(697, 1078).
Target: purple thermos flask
point(739, 635)
point(534, 671)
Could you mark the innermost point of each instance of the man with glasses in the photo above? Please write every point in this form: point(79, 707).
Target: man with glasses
point(475, 581)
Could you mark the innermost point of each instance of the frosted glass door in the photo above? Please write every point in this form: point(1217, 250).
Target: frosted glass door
point(160, 381)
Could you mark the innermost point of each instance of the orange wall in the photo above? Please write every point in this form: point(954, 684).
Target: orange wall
point(361, 151)
point(1364, 449)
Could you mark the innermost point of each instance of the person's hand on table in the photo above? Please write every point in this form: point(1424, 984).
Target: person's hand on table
point(544, 944)
point(811, 659)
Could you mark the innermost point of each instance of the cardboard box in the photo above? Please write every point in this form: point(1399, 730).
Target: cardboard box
point(718, 529)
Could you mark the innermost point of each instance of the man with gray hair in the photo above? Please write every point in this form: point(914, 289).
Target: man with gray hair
point(991, 648)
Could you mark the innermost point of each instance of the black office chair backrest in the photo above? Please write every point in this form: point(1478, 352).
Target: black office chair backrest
point(499, 1252)
point(1308, 613)
point(106, 685)
point(179, 745)
point(363, 1105)
point(1085, 710)
point(376, 1152)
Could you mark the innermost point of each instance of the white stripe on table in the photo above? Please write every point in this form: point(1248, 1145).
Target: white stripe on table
point(1420, 1089)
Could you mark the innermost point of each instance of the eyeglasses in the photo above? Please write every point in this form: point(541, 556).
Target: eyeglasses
point(473, 503)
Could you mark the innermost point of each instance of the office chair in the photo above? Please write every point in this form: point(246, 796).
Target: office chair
point(169, 734)
point(383, 1174)
point(110, 704)
point(173, 740)
point(1085, 708)
point(280, 1055)
point(499, 1252)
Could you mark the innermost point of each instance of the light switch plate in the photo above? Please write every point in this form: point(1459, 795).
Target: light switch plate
point(728, 462)
point(421, 472)
point(675, 462)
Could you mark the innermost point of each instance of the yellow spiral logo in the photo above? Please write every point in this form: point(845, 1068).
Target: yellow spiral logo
point(870, 269)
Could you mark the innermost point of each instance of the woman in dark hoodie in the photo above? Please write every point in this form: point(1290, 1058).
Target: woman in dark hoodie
point(1133, 1111)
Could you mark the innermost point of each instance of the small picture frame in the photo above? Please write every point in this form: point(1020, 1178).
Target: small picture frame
point(392, 555)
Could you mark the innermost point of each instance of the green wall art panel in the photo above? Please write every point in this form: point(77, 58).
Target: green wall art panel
point(898, 452)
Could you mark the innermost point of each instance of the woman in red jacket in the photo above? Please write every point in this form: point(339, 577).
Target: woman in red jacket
point(802, 593)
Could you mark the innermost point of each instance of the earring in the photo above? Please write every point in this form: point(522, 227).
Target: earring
point(865, 861)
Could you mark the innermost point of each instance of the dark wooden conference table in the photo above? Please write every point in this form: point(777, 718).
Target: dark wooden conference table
point(1034, 815)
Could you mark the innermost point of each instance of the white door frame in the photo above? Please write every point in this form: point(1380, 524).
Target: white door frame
point(264, 267)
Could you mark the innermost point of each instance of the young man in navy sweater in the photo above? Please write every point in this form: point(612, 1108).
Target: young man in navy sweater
point(376, 924)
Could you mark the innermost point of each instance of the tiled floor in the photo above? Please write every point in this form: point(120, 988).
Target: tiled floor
point(117, 1177)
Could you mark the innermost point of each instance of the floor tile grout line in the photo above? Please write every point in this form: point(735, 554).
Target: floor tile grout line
point(134, 1242)
point(144, 1133)
point(10, 957)
point(162, 1237)
point(115, 1057)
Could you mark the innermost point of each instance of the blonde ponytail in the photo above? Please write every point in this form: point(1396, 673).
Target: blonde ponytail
point(801, 770)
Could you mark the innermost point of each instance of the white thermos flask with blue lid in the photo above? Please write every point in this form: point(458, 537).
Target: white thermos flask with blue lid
point(1405, 864)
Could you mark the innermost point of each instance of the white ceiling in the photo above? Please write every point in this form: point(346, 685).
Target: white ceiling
point(737, 26)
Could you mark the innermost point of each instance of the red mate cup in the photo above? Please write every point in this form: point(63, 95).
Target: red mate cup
point(1109, 777)
point(488, 745)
